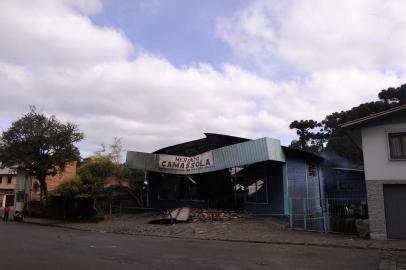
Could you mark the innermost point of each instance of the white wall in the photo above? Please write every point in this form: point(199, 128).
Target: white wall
point(378, 165)
point(23, 184)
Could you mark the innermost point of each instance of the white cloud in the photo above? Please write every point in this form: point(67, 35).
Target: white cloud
point(83, 73)
point(53, 56)
point(52, 33)
point(337, 54)
point(317, 34)
point(148, 101)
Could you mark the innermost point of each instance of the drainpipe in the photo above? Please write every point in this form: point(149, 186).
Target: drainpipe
point(235, 190)
point(286, 200)
point(321, 196)
point(305, 208)
point(145, 181)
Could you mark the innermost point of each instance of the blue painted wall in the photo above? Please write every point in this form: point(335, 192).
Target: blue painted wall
point(304, 191)
point(341, 183)
point(275, 204)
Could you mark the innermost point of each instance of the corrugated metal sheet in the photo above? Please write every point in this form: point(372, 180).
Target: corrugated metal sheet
point(226, 157)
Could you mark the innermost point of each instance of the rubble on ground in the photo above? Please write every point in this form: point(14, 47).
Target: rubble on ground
point(204, 215)
point(180, 214)
point(194, 215)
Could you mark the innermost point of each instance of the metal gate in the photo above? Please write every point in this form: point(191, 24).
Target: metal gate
point(306, 213)
point(327, 215)
point(395, 199)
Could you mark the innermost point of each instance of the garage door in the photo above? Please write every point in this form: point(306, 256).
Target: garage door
point(395, 201)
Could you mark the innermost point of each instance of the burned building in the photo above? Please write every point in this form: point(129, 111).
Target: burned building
point(220, 171)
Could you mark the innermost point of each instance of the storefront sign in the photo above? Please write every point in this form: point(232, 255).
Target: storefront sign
point(182, 163)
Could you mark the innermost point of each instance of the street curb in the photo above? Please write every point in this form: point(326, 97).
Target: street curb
point(222, 239)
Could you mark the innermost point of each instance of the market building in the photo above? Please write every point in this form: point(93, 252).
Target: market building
point(221, 171)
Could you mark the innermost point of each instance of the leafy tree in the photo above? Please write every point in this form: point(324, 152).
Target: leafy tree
point(319, 139)
point(116, 149)
point(313, 135)
point(95, 172)
point(40, 145)
point(390, 95)
point(70, 187)
point(303, 128)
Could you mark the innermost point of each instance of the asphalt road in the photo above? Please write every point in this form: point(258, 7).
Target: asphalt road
point(25, 246)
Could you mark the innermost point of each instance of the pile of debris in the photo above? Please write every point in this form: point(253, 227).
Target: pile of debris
point(173, 216)
point(186, 214)
point(204, 215)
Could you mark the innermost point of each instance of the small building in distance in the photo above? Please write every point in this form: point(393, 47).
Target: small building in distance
point(52, 181)
point(27, 188)
point(8, 180)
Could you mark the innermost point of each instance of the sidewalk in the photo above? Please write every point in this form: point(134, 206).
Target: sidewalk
point(43, 221)
point(393, 261)
point(259, 230)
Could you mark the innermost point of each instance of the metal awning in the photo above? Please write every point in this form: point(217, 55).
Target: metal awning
point(235, 155)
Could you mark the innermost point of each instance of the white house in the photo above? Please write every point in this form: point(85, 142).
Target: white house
point(382, 137)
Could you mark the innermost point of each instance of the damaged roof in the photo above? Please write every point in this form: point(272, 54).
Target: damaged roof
point(195, 147)
point(214, 141)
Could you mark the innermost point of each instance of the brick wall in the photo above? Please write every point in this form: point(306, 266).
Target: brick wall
point(376, 207)
point(53, 181)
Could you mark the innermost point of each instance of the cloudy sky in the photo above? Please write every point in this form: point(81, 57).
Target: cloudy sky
point(158, 72)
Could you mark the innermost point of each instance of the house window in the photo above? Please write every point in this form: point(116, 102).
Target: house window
point(397, 145)
point(312, 169)
point(257, 192)
point(9, 179)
